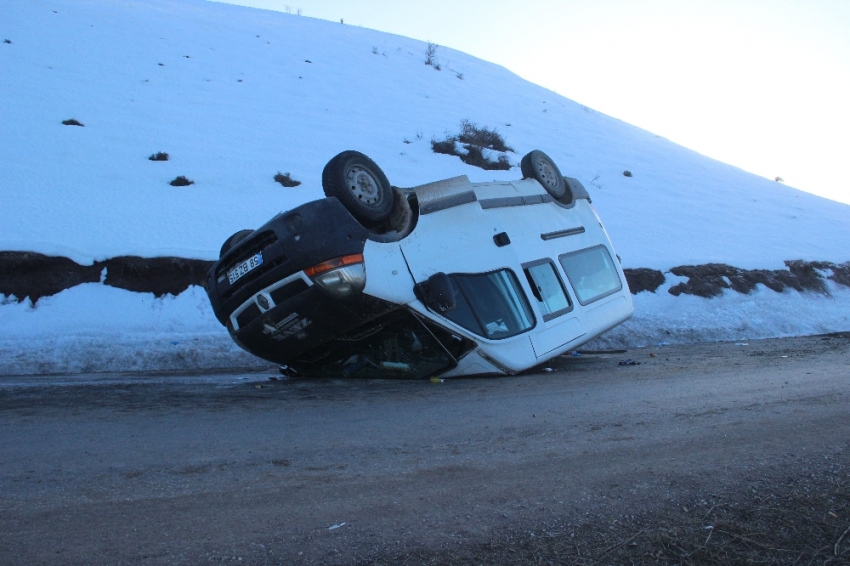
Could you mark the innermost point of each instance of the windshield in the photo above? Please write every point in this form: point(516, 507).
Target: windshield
point(490, 304)
point(401, 345)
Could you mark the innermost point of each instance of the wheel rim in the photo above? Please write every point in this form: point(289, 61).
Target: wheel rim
point(547, 173)
point(363, 186)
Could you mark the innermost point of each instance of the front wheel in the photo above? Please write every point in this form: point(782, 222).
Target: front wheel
point(540, 167)
point(360, 186)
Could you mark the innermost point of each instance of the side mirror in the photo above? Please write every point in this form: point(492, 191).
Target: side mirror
point(436, 293)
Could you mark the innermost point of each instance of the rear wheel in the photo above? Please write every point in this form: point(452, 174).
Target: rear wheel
point(540, 167)
point(232, 241)
point(360, 186)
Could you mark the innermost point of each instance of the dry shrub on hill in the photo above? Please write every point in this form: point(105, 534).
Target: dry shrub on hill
point(181, 181)
point(286, 179)
point(470, 145)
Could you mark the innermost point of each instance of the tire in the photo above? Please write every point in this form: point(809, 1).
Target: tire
point(360, 186)
point(540, 167)
point(233, 240)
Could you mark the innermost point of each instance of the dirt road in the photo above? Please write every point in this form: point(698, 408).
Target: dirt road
point(711, 453)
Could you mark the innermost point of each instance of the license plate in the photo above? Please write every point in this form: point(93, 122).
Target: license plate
point(243, 268)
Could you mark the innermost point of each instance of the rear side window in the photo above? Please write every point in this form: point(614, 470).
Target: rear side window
point(547, 289)
point(591, 273)
point(490, 304)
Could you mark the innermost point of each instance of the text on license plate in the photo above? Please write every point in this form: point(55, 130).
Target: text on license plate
point(241, 269)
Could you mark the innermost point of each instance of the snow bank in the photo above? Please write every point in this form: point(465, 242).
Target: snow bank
point(94, 328)
point(661, 318)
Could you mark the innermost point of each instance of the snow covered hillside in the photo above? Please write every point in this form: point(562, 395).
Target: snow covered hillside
point(235, 95)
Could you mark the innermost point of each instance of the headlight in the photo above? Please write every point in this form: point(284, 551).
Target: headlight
point(341, 277)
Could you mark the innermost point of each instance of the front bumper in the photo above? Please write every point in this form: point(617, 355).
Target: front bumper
point(290, 330)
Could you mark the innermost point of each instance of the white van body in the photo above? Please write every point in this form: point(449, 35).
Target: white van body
point(459, 239)
point(445, 279)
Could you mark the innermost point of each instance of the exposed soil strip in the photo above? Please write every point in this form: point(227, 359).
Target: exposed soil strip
point(643, 279)
point(33, 275)
point(711, 279)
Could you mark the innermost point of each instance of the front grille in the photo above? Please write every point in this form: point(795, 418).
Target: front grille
point(283, 294)
point(249, 314)
point(247, 249)
point(264, 268)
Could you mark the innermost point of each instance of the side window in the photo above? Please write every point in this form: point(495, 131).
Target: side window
point(547, 289)
point(591, 273)
point(492, 305)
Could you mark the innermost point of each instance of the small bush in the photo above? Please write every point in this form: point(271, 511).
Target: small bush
point(286, 180)
point(72, 122)
point(7, 41)
point(159, 156)
point(779, 179)
point(596, 183)
point(481, 136)
point(431, 54)
point(627, 173)
point(374, 51)
point(181, 181)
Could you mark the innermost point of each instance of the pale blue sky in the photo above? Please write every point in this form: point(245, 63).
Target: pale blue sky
point(761, 84)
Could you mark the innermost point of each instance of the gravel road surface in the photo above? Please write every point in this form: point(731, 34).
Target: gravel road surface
point(704, 454)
